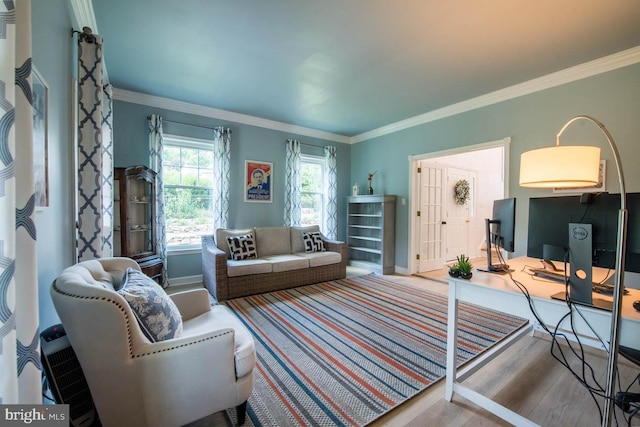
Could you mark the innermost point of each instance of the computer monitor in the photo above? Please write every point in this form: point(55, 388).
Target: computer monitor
point(584, 230)
point(500, 232)
point(549, 219)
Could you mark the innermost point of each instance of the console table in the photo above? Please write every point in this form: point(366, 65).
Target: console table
point(499, 293)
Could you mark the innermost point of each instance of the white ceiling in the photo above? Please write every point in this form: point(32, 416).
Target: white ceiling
point(350, 66)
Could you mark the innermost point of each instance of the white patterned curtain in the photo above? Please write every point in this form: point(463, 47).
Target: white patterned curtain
point(107, 171)
point(155, 152)
point(20, 370)
point(221, 169)
point(293, 184)
point(95, 153)
point(331, 190)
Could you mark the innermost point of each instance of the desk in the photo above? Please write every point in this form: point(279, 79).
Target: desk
point(499, 293)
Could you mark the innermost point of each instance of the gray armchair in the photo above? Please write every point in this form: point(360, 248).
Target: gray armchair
point(134, 381)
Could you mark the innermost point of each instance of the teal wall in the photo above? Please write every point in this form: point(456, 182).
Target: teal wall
point(51, 51)
point(131, 141)
point(532, 121)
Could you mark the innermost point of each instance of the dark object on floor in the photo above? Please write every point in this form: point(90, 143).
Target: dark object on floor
point(627, 401)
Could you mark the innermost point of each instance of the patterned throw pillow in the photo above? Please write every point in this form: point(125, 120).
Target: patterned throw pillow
point(156, 313)
point(313, 242)
point(242, 247)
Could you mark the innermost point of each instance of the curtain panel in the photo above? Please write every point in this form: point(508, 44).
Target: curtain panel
point(222, 170)
point(331, 189)
point(20, 369)
point(94, 152)
point(107, 171)
point(293, 184)
point(156, 144)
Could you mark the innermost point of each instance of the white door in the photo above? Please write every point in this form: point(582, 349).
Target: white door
point(457, 217)
point(430, 220)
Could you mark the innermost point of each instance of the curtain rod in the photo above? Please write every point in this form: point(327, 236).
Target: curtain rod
point(206, 127)
point(86, 34)
point(186, 124)
point(312, 145)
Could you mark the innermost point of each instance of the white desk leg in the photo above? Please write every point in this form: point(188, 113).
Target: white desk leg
point(452, 341)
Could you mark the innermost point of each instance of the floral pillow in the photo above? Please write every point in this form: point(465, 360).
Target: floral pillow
point(242, 247)
point(157, 314)
point(313, 242)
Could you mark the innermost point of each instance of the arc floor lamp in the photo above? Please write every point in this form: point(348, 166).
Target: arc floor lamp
point(578, 166)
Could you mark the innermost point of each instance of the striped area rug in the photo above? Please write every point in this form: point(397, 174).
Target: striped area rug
point(347, 351)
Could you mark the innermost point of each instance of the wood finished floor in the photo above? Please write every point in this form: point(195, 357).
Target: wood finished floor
point(525, 378)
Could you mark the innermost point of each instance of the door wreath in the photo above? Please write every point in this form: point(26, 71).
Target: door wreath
point(461, 192)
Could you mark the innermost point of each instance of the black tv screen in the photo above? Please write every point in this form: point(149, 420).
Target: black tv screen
point(549, 219)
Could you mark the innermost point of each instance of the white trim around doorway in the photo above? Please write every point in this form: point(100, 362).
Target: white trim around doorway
point(413, 185)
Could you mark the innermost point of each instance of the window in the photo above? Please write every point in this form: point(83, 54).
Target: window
point(188, 178)
point(313, 198)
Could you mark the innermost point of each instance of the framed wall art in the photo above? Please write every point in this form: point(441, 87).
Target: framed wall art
point(40, 139)
point(258, 179)
point(599, 188)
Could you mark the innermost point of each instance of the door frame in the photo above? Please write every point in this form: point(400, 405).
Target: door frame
point(412, 242)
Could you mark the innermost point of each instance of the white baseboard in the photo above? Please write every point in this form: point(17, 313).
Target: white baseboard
point(402, 270)
point(186, 280)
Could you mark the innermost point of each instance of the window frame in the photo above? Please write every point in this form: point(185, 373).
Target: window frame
point(185, 142)
point(319, 160)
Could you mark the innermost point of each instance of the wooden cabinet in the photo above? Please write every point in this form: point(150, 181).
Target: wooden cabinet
point(135, 218)
point(371, 232)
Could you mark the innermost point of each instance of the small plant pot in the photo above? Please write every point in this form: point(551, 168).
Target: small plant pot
point(453, 272)
point(466, 275)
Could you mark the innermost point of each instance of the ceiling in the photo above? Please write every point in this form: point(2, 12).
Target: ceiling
point(350, 66)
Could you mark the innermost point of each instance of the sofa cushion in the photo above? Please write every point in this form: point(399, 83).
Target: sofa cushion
point(318, 259)
point(273, 241)
point(157, 314)
point(223, 233)
point(313, 242)
point(242, 247)
point(287, 262)
point(297, 245)
point(246, 267)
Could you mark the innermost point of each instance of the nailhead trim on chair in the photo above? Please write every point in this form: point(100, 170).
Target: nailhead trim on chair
point(129, 341)
point(116, 303)
point(185, 345)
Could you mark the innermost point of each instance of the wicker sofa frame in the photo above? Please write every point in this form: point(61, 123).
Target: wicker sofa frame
point(223, 287)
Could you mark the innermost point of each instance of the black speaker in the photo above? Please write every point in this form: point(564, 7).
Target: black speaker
point(65, 377)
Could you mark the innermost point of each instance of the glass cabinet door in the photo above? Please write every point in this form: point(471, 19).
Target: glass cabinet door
point(140, 215)
point(134, 222)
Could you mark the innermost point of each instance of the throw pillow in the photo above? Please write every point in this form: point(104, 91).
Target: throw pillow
point(242, 247)
point(313, 242)
point(156, 313)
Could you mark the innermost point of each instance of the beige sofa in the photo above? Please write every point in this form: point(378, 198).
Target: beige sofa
point(282, 261)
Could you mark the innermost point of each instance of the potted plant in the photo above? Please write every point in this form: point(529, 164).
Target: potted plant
point(453, 270)
point(464, 267)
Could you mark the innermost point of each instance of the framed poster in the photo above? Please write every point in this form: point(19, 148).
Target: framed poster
point(599, 188)
point(40, 139)
point(258, 179)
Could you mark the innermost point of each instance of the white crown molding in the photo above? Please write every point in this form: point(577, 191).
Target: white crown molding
point(215, 113)
point(587, 69)
point(83, 14)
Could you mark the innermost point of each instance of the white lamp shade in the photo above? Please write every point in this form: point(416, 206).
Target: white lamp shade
point(560, 166)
